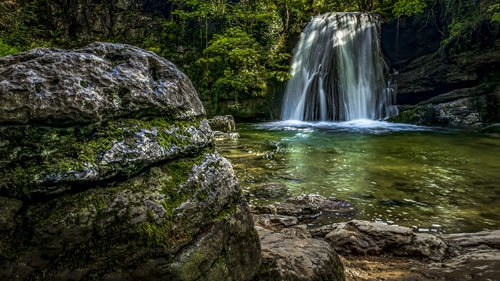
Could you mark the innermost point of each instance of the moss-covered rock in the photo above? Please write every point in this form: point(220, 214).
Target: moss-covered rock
point(149, 221)
point(42, 160)
point(130, 191)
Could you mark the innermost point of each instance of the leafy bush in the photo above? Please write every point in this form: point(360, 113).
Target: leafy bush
point(470, 26)
point(408, 7)
point(6, 49)
point(236, 63)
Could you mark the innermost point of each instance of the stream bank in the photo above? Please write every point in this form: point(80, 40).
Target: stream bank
point(365, 250)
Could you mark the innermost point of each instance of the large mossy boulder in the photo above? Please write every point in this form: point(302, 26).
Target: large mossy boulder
point(108, 172)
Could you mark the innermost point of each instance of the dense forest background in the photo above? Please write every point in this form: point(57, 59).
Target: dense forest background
point(235, 51)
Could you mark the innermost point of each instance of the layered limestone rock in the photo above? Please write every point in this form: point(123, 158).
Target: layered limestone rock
point(108, 171)
point(467, 108)
point(444, 79)
point(457, 91)
point(289, 252)
point(222, 123)
point(463, 256)
point(87, 20)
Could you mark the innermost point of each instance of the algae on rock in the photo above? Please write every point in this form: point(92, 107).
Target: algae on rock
point(103, 183)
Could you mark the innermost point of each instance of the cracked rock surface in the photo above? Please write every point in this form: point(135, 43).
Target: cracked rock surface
point(108, 171)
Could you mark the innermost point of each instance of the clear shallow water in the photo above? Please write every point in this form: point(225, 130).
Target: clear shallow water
point(431, 178)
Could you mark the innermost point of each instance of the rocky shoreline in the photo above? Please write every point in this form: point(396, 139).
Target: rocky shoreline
point(365, 250)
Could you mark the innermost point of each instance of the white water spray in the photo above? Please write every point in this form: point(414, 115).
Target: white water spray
point(338, 71)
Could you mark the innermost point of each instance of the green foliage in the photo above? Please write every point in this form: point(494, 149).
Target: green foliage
point(467, 25)
point(408, 7)
point(235, 59)
point(230, 49)
point(494, 9)
point(23, 26)
point(6, 49)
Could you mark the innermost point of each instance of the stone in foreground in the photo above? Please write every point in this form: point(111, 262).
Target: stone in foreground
point(287, 256)
point(109, 172)
point(470, 256)
point(372, 238)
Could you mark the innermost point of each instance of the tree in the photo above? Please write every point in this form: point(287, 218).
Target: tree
point(367, 5)
point(408, 7)
point(234, 65)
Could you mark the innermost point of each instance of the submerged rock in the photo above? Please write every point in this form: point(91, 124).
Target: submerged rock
point(318, 202)
point(271, 191)
point(223, 136)
point(270, 220)
point(222, 123)
point(100, 183)
point(492, 129)
point(308, 206)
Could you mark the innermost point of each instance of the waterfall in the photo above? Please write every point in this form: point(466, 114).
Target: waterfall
point(338, 71)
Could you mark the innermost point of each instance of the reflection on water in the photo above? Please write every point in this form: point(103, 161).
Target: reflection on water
point(430, 178)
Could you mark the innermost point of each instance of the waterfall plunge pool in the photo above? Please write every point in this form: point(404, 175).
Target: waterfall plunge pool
point(434, 179)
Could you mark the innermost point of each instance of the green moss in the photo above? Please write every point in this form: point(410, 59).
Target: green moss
point(166, 235)
point(406, 116)
point(46, 154)
point(230, 210)
point(169, 234)
point(419, 115)
point(264, 272)
point(84, 84)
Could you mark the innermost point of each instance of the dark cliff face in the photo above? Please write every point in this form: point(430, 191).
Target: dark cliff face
point(408, 38)
point(462, 90)
point(437, 87)
point(108, 171)
point(88, 20)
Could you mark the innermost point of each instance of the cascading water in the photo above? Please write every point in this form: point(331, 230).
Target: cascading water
point(338, 71)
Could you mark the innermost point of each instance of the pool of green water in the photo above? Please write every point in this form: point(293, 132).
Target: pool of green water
point(433, 179)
